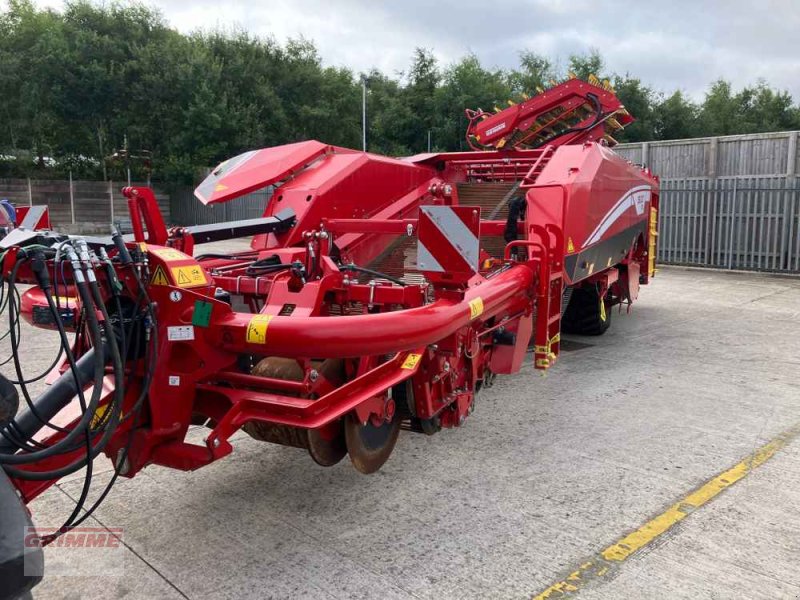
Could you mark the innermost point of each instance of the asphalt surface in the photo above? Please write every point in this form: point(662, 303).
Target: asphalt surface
point(546, 473)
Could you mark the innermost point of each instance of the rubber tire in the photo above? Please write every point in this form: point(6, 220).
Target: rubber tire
point(583, 315)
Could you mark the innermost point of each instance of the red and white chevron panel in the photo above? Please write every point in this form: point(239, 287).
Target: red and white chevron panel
point(448, 247)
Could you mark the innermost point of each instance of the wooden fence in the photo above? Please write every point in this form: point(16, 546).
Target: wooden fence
point(729, 202)
point(78, 206)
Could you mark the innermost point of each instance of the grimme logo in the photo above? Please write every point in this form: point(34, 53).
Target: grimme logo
point(495, 129)
point(79, 537)
point(80, 551)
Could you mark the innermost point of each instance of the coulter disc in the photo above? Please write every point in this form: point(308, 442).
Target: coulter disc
point(369, 446)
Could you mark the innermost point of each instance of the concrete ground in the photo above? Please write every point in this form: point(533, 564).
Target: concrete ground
point(546, 473)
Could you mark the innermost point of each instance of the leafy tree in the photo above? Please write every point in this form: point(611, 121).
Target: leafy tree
point(535, 73)
point(675, 117)
point(466, 84)
point(639, 100)
point(584, 65)
point(79, 83)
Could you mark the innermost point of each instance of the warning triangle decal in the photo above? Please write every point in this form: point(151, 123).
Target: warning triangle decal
point(159, 277)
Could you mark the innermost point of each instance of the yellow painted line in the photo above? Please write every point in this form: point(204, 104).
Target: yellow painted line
point(599, 565)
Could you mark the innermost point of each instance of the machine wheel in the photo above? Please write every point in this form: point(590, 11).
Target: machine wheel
point(586, 314)
point(370, 446)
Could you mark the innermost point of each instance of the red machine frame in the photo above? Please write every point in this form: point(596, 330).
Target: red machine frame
point(367, 355)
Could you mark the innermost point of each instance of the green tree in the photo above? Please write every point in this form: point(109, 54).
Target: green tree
point(675, 117)
point(535, 73)
point(79, 82)
point(466, 84)
point(639, 100)
point(584, 65)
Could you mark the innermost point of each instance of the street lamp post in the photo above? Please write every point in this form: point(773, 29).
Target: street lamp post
point(364, 112)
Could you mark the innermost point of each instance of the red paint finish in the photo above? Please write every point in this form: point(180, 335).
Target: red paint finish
point(352, 340)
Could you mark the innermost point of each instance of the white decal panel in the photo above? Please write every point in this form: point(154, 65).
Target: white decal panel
point(636, 198)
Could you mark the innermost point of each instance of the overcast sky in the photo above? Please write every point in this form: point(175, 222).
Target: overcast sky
point(669, 44)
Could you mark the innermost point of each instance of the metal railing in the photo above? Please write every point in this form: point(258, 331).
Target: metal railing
point(745, 223)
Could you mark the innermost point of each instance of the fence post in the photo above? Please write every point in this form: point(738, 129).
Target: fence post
point(646, 154)
point(713, 151)
point(730, 225)
point(71, 199)
point(30, 193)
point(789, 197)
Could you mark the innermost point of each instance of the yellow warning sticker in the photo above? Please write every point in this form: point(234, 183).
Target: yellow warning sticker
point(257, 329)
point(220, 187)
point(169, 254)
point(602, 310)
point(411, 361)
point(475, 307)
point(189, 276)
point(159, 277)
point(570, 246)
point(98, 415)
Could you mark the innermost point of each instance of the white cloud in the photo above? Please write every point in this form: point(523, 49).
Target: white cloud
point(680, 44)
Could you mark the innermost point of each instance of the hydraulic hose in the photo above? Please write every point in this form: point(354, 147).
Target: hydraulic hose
point(66, 443)
point(87, 291)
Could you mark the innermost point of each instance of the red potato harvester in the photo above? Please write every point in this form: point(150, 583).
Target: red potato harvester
point(379, 294)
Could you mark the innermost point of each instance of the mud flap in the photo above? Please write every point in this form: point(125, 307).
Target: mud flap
point(511, 345)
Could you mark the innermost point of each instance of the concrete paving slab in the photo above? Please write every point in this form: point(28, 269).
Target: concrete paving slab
point(548, 471)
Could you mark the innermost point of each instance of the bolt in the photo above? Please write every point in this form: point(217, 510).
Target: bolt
point(215, 442)
point(313, 375)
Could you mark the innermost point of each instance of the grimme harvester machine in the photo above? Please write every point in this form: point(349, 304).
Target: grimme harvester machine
point(379, 294)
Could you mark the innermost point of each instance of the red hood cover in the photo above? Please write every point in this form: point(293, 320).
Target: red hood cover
point(257, 169)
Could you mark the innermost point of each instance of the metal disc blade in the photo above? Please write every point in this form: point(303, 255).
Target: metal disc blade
point(326, 453)
point(369, 446)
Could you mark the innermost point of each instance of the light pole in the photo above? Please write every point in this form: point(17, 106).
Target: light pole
point(364, 112)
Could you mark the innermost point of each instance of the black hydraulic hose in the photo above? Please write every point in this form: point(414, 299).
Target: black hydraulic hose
point(373, 273)
point(12, 311)
point(119, 394)
point(53, 399)
point(135, 411)
point(124, 455)
point(89, 411)
point(516, 211)
point(264, 269)
point(116, 407)
point(212, 255)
